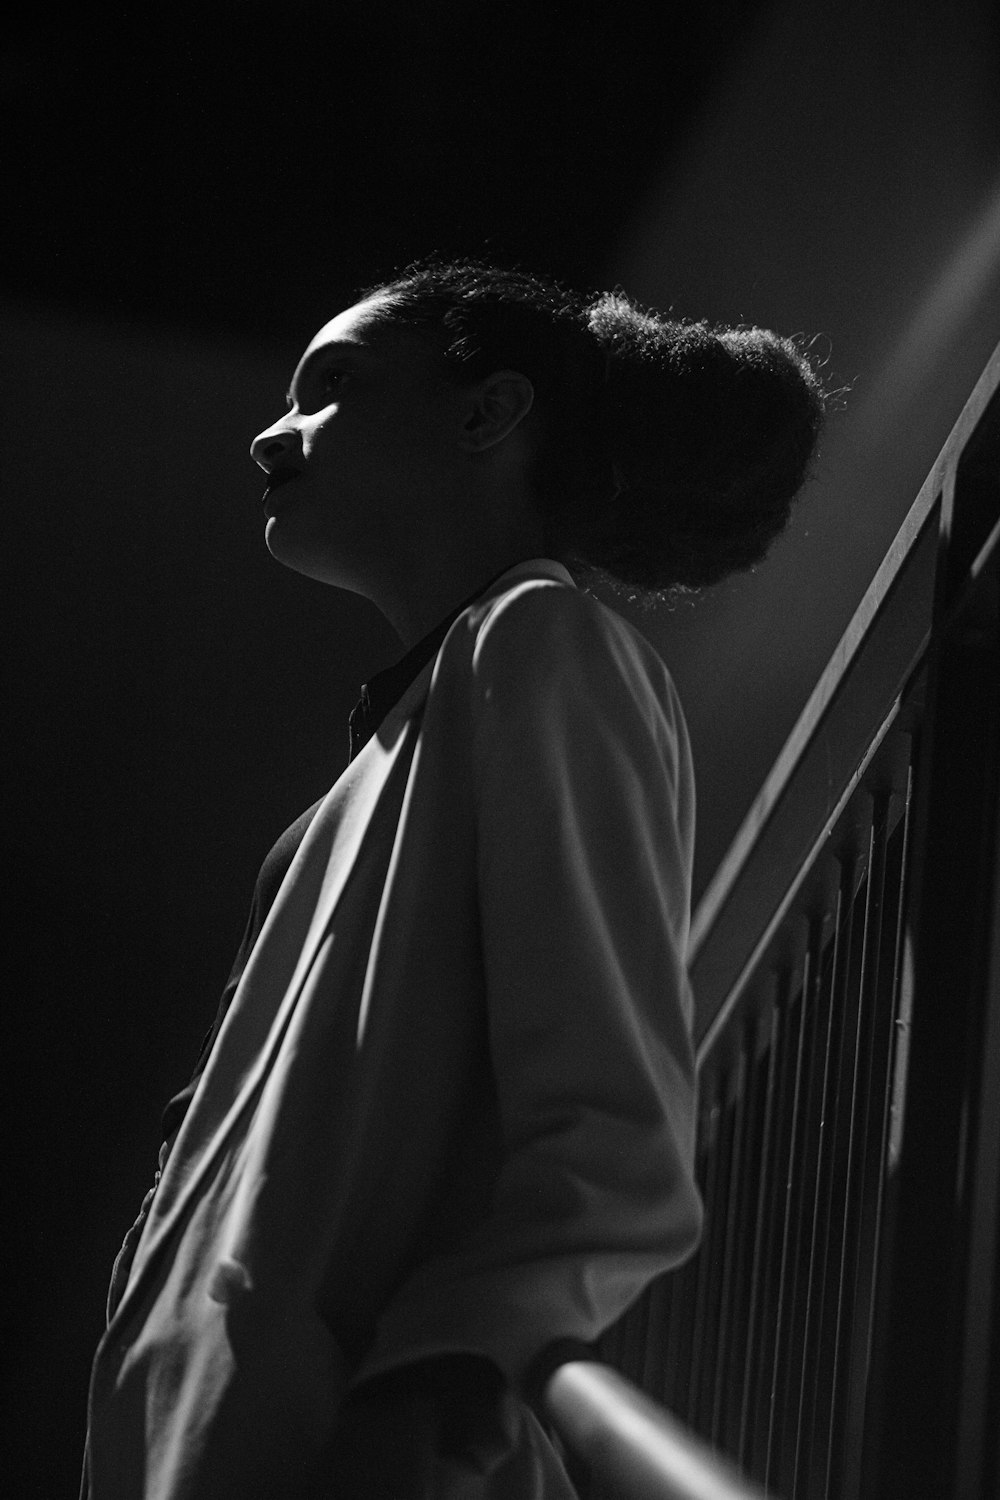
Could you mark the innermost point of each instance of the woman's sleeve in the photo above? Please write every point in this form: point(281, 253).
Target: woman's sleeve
point(584, 809)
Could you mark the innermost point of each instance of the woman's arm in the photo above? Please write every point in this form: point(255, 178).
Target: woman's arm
point(584, 825)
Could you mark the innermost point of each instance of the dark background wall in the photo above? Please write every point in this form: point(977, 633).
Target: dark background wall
point(188, 195)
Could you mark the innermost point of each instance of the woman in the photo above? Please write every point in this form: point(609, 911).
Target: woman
point(441, 1133)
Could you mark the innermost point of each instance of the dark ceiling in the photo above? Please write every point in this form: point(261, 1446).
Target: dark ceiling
point(236, 168)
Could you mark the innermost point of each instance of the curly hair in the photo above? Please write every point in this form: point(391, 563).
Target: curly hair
point(671, 452)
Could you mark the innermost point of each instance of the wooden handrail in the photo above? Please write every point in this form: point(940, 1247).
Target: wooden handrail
point(632, 1445)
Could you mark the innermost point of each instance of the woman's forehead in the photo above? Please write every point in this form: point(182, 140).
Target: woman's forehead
point(352, 326)
point(364, 327)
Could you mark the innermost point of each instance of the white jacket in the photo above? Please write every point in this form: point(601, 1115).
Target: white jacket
point(451, 1105)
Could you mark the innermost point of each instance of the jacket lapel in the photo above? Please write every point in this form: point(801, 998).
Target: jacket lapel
point(281, 960)
point(284, 953)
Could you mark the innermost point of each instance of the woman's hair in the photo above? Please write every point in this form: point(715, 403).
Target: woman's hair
point(670, 453)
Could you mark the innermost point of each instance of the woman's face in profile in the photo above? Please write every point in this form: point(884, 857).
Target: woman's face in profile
point(369, 441)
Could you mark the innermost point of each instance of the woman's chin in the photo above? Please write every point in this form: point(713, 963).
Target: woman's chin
point(291, 546)
point(286, 543)
point(291, 550)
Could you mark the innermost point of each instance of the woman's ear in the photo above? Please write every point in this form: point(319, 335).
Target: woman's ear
point(495, 407)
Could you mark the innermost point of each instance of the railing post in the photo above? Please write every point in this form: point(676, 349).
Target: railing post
point(929, 1432)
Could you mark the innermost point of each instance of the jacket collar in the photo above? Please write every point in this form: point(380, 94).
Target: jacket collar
point(386, 690)
point(544, 567)
point(413, 696)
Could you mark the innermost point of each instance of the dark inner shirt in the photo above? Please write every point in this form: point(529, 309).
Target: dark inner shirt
point(377, 697)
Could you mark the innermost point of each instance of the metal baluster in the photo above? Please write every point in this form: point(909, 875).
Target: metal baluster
point(828, 994)
point(729, 1287)
point(849, 1009)
point(710, 1352)
point(753, 1111)
point(686, 1293)
point(710, 1144)
point(769, 1067)
point(804, 1177)
point(658, 1336)
point(842, 1467)
point(773, 1232)
point(792, 1111)
point(885, 903)
point(681, 1303)
point(897, 1023)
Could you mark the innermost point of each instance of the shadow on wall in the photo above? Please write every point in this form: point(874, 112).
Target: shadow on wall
point(844, 184)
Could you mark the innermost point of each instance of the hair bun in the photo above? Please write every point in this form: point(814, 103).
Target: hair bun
point(709, 434)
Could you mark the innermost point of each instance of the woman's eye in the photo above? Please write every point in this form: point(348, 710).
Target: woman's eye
point(332, 379)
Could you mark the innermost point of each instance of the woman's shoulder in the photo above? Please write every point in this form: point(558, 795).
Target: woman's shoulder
point(540, 630)
point(544, 614)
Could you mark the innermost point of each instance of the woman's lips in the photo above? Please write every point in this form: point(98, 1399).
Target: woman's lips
point(275, 480)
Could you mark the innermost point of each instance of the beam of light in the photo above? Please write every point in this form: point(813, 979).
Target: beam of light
point(960, 288)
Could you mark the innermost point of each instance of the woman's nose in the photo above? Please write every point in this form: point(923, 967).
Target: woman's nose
point(271, 447)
